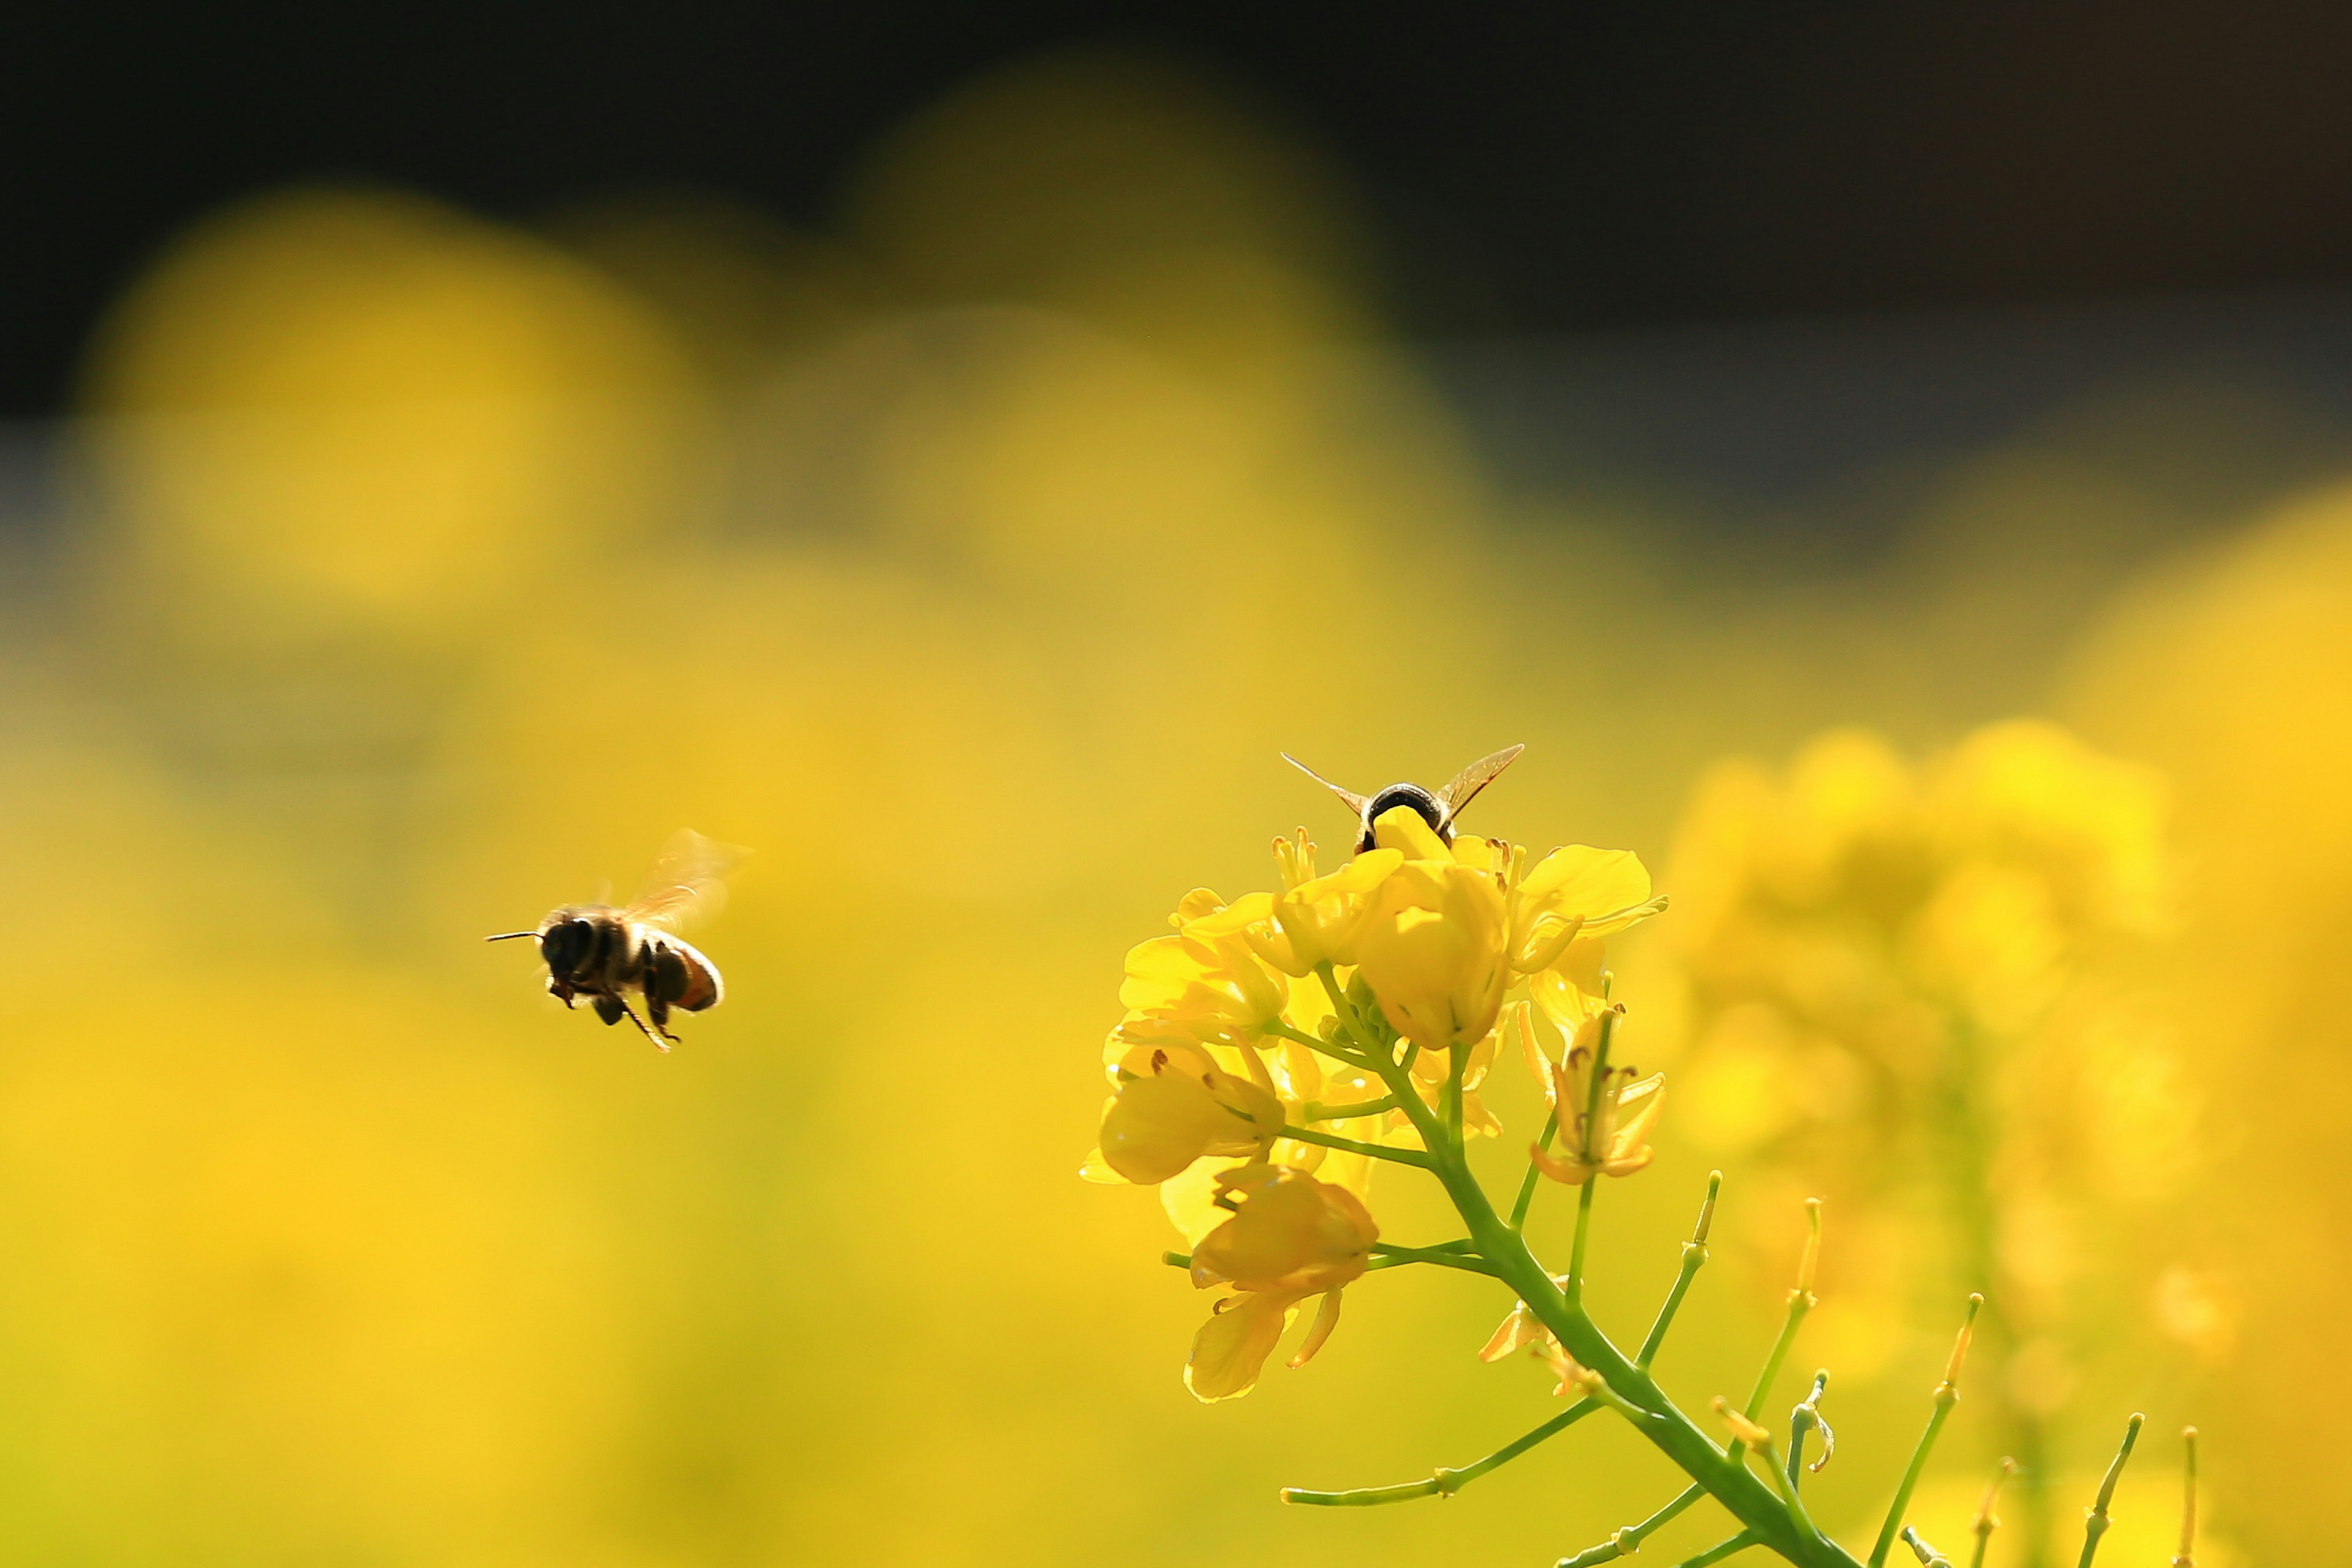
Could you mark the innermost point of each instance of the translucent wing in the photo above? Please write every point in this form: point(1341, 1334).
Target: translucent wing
point(1356, 802)
point(1473, 778)
point(686, 884)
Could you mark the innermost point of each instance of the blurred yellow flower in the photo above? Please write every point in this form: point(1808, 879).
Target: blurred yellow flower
point(1883, 958)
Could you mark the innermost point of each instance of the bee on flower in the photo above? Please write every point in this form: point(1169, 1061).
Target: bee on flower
point(1277, 1048)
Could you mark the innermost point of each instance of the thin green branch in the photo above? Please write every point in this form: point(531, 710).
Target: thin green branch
point(2187, 1556)
point(1800, 1301)
point(1457, 1064)
point(1584, 1152)
point(1627, 1541)
point(1527, 1183)
point(1807, 1417)
point(1445, 1483)
point(1929, 1556)
point(1948, 1393)
point(1719, 1551)
point(2095, 1525)
point(1387, 1256)
point(1694, 1258)
point(1750, 1434)
point(1354, 1146)
point(1328, 1048)
point(1316, 1111)
point(1344, 1012)
point(1987, 1520)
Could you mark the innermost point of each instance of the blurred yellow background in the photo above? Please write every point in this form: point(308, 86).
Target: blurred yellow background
point(973, 562)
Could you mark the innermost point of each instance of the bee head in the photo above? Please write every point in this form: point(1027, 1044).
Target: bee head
point(1411, 794)
point(565, 944)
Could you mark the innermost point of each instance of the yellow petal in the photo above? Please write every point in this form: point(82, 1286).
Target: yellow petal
point(1097, 1169)
point(1400, 827)
point(1161, 1124)
point(1252, 908)
point(1231, 1348)
point(1327, 1318)
point(1574, 1172)
point(1583, 881)
point(1189, 1200)
point(1517, 1332)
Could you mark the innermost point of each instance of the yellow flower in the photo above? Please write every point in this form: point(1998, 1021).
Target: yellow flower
point(1314, 919)
point(1175, 1106)
point(1290, 1237)
point(1288, 1231)
point(1575, 893)
point(1205, 976)
point(1432, 947)
point(1613, 1138)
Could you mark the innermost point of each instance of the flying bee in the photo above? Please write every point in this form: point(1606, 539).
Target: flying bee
point(1438, 809)
point(602, 954)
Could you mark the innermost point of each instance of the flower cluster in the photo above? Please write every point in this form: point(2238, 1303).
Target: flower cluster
point(1270, 1047)
point(1894, 970)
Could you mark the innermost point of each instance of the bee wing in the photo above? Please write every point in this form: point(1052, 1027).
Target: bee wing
point(1473, 778)
point(687, 883)
point(1356, 802)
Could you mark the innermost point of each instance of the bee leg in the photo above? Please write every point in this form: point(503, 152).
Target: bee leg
point(609, 1008)
point(560, 991)
point(661, 1039)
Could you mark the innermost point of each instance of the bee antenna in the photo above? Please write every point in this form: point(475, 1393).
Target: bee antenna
point(510, 935)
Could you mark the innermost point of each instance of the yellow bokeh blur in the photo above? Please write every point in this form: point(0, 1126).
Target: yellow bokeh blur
point(972, 562)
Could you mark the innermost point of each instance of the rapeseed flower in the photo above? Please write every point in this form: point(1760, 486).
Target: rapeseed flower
point(1605, 1122)
point(1268, 1041)
point(1290, 1237)
point(1432, 947)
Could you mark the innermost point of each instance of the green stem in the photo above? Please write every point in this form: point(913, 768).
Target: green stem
point(1575, 1286)
point(2187, 1556)
point(1527, 1183)
point(1929, 1556)
point(1345, 1011)
point(1948, 1393)
point(1749, 1500)
point(1628, 1541)
point(1800, 1301)
point(1387, 1256)
point(1318, 1111)
point(1458, 1062)
point(1694, 1260)
point(1986, 1521)
point(1585, 1153)
point(1719, 1551)
point(1445, 1483)
point(1371, 1151)
point(1328, 1048)
point(2095, 1525)
point(1807, 1417)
